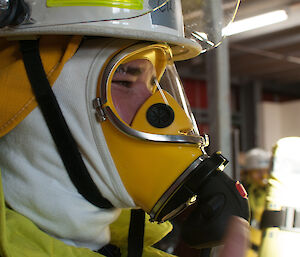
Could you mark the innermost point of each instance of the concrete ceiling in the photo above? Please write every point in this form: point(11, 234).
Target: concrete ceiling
point(270, 54)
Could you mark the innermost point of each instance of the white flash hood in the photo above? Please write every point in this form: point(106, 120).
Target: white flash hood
point(36, 183)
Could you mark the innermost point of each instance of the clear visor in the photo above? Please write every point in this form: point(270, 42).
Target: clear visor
point(205, 20)
point(145, 94)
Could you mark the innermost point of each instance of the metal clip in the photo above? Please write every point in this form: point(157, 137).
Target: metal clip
point(100, 114)
point(204, 141)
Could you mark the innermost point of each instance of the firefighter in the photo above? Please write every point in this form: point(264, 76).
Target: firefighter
point(255, 178)
point(94, 120)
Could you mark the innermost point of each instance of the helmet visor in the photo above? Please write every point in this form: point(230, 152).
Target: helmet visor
point(145, 94)
point(205, 20)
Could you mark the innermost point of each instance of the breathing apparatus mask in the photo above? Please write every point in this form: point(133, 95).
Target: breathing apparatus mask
point(139, 101)
point(150, 130)
point(156, 146)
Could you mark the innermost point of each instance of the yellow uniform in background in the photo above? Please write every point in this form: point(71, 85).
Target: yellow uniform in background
point(256, 198)
point(254, 176)
point(281, 234)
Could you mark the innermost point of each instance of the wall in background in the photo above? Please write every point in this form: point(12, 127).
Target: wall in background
point(279, 119)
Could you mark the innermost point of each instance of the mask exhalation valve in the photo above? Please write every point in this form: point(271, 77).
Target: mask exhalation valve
point(160, 115)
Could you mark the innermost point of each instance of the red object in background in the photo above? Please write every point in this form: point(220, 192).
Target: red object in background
point(203, 128)
point(196, 92)
point(242, 191)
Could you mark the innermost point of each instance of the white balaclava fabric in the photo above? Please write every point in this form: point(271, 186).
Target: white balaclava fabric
point(36, 183)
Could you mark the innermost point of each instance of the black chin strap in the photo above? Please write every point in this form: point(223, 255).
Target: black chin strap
point(136, 233)
point(58, 127)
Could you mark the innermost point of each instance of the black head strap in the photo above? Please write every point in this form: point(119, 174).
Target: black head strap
point(58, 127)
point(136, 233)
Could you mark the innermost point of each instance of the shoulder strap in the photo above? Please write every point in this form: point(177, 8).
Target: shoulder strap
point(58, 127)
point(136, 233)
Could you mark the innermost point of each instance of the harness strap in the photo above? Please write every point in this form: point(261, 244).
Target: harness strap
point(136, 233)
point(135, 237)
point(110, 250)
point(287, 218)
point(58, 127)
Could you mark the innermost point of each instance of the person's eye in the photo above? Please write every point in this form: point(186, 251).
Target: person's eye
point(123, 83)
point(153, 81)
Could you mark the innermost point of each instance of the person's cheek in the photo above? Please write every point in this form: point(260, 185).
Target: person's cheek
point(127, 101)
point(121, 100)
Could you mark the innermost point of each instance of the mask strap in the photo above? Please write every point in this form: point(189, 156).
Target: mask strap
point(136, 233)
point(58, 127)
point(135, 237)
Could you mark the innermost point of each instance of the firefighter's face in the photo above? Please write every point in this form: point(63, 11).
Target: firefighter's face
point(259, 177)
point(132, 84)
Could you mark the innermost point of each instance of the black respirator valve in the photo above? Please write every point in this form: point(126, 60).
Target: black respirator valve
point(160, 115)
point(182, 193)
point(220, 198)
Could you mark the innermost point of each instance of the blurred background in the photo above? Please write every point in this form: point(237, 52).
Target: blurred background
point(245, 94)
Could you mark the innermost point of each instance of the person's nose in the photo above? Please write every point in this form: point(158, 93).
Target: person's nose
point(144, 89)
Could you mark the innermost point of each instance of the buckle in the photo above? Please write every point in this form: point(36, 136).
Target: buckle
point(100, 114)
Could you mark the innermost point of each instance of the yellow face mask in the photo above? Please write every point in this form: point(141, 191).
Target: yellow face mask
point(150, 130)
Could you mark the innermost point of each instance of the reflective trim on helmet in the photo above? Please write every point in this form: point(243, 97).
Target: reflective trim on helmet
point(124, 4)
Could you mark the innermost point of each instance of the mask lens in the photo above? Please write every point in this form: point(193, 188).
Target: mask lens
point(144, 93)
point(132, 84)
point(171, 83)
point(135, 81)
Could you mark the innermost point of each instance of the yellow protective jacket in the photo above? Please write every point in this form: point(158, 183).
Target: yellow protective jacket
point(257, 197)
point(20, 237)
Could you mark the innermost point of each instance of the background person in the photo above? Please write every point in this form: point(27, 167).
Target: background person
point(255, 174)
